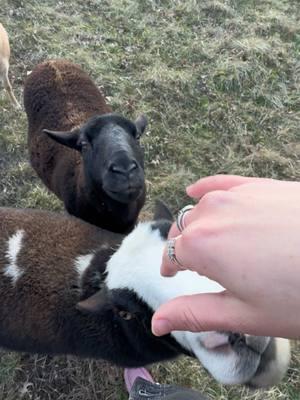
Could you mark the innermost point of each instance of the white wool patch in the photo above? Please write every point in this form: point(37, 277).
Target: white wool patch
point(136, 266)
point(277, 366)
point(82, 263)
point(14, 245)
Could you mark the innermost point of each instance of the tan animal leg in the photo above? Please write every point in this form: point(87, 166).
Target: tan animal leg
point(9, 90)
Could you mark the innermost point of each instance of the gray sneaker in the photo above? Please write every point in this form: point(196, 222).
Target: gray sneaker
point(145, 390)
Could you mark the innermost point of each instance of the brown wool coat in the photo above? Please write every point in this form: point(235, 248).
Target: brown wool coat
point(45, 93)
point(60, 96)
point(34, 309)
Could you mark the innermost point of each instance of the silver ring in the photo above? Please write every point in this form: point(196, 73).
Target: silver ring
point(181, 216)
point(171, 252)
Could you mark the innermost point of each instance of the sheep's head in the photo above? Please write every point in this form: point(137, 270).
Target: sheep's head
point(134, 288)
point(112, 157)
point(126, 322)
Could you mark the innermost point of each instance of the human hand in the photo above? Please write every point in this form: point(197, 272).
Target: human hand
point(244, 233)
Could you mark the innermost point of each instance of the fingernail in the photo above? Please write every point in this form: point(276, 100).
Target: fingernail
point(161, 327)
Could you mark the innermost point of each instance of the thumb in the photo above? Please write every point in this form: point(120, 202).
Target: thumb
point(201, 312)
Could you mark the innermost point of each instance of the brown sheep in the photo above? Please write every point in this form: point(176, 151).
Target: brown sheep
point(68, 287)
point(91, 159)
point(4, 64)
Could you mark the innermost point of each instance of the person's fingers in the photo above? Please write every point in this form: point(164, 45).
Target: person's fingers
point(207, 205)
point(184, 253)
point(210, 204)
point(173, 231)
point(181, 223)
point(206, 312)
point(218, 182)
point(196, 313)
point(168, 267)
point(194, 249)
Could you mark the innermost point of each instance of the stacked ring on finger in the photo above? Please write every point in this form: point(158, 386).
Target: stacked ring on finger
point(171, 252)
point(181, 217)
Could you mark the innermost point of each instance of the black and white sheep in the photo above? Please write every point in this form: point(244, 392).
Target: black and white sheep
point(69, 287)
point(91, 159)
point(4, 65)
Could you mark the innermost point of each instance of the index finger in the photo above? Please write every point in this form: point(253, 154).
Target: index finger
point(218, 182)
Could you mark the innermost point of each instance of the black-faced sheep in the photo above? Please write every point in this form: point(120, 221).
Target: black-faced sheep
point(4, 64)
point(69, 287)
point(91, 159)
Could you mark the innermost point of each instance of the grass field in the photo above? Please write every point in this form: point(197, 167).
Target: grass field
point(219, 82)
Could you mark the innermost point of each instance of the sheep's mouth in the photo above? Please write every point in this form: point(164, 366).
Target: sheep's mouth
point(224, 341)
point(125, 196)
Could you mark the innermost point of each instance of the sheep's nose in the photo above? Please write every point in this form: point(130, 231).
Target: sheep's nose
point(236, 338)
point(124, 169)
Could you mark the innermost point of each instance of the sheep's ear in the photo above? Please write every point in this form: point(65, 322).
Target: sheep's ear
point(93, 303)
point(162, 211)
point(69, 139)
point(140, 123)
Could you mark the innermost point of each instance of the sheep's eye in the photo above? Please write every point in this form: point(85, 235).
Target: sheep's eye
point(125, 315)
